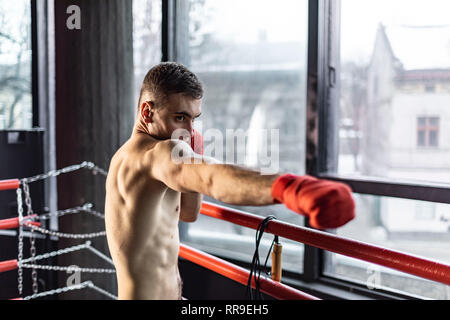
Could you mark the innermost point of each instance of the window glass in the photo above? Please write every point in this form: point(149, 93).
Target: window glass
point(251, 57)
point(418, 228)
point(15, 65)
point(147, 18)
point(395, 85)
point(433, 138)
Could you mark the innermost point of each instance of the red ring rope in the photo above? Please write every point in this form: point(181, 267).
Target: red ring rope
point(389, 258)
point(236, 273)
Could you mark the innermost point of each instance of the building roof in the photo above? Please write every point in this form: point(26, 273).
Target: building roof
point(424, 75)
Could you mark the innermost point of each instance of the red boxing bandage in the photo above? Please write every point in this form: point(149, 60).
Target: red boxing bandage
point(328, 204)
point(197, 142)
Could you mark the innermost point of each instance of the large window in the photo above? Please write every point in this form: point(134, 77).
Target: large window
point(251, 58)
point(15, 65)
point(395, 125)
point(381, 125)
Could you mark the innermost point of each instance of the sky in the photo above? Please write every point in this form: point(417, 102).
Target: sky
point(11, 15)
point(360, 20)
point(242, 20)
point(286, 20)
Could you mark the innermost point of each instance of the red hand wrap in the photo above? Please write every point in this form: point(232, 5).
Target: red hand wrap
point(328, 204)
point(197, 142)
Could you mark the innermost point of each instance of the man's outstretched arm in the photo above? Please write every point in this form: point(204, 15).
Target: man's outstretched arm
point(194, 173)
point(328, 204)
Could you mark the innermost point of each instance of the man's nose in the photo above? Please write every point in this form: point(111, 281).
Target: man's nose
point(190, 127)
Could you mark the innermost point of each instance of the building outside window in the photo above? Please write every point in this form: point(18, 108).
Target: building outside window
point(394, 126)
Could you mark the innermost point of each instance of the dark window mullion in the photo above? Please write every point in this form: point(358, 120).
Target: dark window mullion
point(321, 145)
point(34, 65)
point(168, 37)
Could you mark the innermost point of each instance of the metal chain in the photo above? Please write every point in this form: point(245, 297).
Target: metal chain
point(58, 252)
point(86, 245)
point(101, 255)
point(106, 293)
point(34, 276)
point(68, 235)
point(20, 249)
point(87, 284)
point(54, 173)
point(24, 182)
point(84, 208)
point(93, 212)
point(67, 269)
point(58, 291)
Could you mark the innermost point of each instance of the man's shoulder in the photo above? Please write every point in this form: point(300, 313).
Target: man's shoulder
point(164, 148)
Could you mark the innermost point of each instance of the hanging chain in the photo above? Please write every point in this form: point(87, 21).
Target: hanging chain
point(84, 208)
point(26, 190)
point(58, 291)
point(68, 235)
point(101, 255)
point(59, 252)
point(87, 284)
point(106, 293)
point(87, 207)
point(86, 245)
point(67, 269)
point(20, 249)
point(54, 173)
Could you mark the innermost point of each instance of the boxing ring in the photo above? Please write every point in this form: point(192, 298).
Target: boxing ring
point(403, 262)
point(32, 222)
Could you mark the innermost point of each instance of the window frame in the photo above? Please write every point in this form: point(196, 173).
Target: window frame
point(322, 142)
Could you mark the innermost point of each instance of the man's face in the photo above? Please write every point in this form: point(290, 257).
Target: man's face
point(179, 112)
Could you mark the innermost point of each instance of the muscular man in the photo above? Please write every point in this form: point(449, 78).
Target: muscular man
point(148, 189)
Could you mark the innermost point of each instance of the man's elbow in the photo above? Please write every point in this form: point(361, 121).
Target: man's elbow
point(189, 217)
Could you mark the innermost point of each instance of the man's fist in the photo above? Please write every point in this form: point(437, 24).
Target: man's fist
point(328, 204)
point(197, 142)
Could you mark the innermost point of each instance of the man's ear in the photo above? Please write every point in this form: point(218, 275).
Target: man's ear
point(147, 111)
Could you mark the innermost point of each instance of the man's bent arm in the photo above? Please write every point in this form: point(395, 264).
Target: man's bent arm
point(190, 206)
point(228, 183)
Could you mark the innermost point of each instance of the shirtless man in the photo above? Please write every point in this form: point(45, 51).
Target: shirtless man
point(147, 192)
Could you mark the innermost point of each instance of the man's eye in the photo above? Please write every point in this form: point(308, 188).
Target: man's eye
point(180, 118)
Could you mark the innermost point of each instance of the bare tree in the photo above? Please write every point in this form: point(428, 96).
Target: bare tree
point(353, 100)
point(15, 79)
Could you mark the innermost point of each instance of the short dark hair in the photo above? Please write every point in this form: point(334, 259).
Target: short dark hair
point(169, 78)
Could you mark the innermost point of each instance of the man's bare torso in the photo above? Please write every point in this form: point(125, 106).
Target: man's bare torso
point(142, 217)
